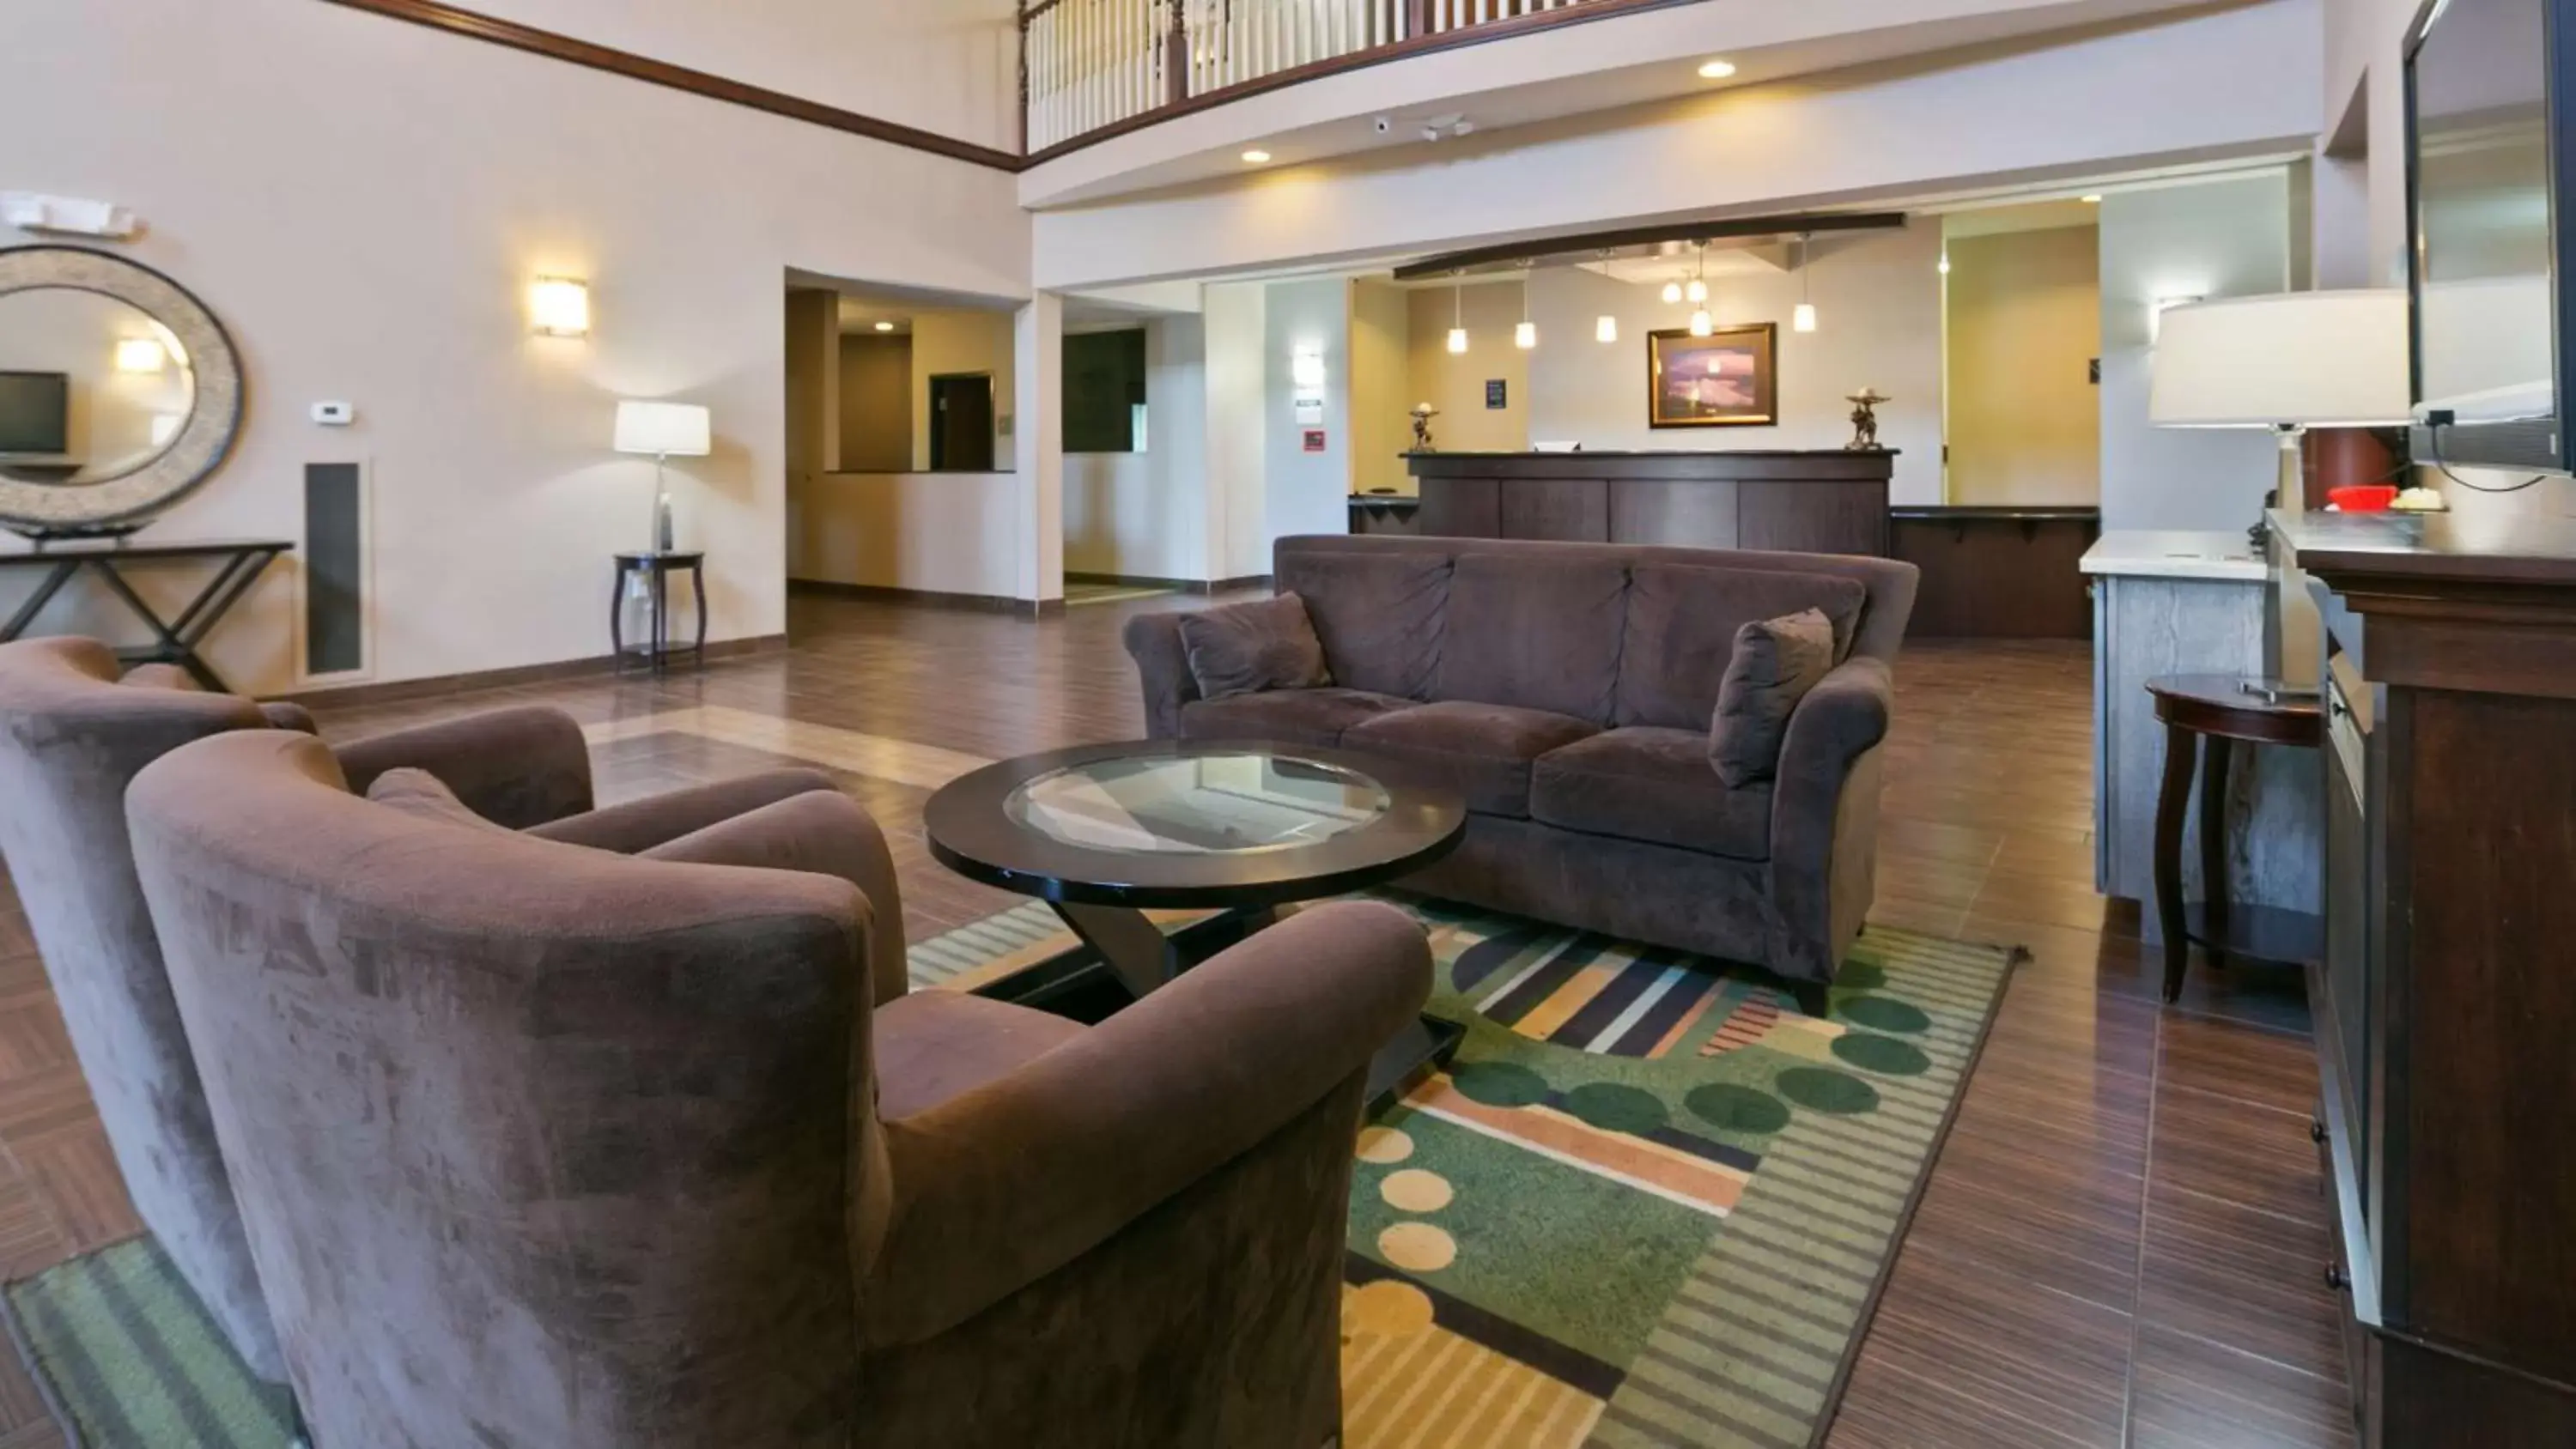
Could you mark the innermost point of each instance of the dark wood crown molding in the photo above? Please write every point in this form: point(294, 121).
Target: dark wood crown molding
point(474, 26)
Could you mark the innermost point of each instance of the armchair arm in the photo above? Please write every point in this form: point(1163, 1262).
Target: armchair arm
point(514, 767)
point(1163, 668)
point(639, 825)
point(1824, 813)
point(998, 1188)
point(821, 832)
point(280, 714)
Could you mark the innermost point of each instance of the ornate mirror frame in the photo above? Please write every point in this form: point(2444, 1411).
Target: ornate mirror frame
point(123, 502)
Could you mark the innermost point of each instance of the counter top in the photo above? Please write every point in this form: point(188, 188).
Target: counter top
point(1998, 512)
point(2399, 547)
point(2171, 554)
point(1656, 453)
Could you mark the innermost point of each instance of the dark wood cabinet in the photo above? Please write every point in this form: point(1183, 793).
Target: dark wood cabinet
point(2446, 1000)
point(1998, 573)
point(1812, 502)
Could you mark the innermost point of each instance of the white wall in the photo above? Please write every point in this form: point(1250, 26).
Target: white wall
point(365, 221)
point(1878, 304)
point(2232, 82)
point(951, 67)
point(941, 533)
point(1238, 430)
point(1143, 514)
point(1306, 492)
point(2210, 239)
point(1454, 382)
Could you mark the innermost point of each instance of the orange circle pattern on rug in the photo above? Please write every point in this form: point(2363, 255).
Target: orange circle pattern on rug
point(1388, 1306)
point(1418, 1247)
point(1383, 1145)
point(1416, 1191)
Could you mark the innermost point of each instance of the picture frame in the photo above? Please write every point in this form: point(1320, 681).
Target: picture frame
point(1728, 379)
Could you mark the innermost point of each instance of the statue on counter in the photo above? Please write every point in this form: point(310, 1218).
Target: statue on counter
point(1864, 419)
point(1422, 416)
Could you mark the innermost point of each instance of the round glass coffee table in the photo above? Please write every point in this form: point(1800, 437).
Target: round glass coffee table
point(1105, 832)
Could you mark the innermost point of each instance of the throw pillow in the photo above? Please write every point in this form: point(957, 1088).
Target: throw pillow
point(422, 794)
point(1776, 662)
point(1246, 648)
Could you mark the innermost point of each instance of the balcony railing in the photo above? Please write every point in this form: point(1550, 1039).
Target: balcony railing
point(1090, 66)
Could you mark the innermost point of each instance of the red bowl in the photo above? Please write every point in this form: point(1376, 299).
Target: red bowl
point(2363, 498)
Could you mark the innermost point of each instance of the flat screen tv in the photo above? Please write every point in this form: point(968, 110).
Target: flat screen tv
point(35, 413)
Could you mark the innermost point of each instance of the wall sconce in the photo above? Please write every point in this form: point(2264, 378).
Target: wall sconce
point(559, 307)
point(1607, 329)
point(141, 354)
point(1306, 368)
point(1525, 336)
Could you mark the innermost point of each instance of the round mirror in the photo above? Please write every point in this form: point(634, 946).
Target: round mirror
point(91, 387)
point(119, 392)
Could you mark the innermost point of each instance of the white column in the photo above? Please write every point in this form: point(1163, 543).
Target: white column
point(1037, 449)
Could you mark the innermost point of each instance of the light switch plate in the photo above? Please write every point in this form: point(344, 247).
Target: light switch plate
point(334, 414)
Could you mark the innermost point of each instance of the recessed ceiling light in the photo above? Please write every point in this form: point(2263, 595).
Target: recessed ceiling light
point(1716, 69)
point(2093, 200)
point(885, 327)
point(1255, 157)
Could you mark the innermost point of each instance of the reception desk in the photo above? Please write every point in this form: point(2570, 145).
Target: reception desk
point(1814, 502)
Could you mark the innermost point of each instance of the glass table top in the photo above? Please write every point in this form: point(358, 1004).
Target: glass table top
point(1198, 805)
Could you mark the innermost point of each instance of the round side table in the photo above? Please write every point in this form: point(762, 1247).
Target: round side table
point(2205, 715)
point(656, 569)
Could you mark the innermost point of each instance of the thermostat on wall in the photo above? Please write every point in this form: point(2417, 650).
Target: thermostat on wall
point(334, 414)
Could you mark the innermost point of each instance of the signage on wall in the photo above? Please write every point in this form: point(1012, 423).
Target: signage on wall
point(1496, 394)
point(1310, 411)
point(1314, 440)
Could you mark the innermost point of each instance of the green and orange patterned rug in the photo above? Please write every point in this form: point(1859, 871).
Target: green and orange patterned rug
point(1648, 1206)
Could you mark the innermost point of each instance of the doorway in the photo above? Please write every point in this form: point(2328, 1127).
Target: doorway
point(961, 422)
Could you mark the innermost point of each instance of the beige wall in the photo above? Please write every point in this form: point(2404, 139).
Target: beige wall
point(359, 250)
point(2025, 322)
point(876, 403)
point(1381, 387)
point(947, 343)
point(1456, 384)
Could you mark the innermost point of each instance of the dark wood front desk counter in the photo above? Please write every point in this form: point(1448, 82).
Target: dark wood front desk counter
point(1817, 502)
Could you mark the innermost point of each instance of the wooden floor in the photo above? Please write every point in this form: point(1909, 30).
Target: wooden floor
point(2123, 1239)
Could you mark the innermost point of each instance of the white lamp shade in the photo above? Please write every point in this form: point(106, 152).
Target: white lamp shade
point(2315, 359)
point(681, 430)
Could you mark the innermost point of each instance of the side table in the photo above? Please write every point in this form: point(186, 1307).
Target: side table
point(2206, 715)
point(657, 569)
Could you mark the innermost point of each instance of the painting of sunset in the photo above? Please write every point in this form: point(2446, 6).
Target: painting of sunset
point(1725, 379)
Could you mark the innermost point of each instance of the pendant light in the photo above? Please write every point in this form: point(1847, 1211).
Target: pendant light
point(1458, 319)
point(1607, 329)
point(1804, 319)
point(1672, 292)
point(1701, 324)
point(1697, 291)
point(1525, 336)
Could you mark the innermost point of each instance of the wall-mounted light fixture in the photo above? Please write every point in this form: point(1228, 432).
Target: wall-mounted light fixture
point(1306, 368)
point(1607, 329)
point(559, 307)
point(141, 354)
point(2156, 314)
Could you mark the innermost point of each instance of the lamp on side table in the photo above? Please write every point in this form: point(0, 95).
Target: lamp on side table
point(663, 431)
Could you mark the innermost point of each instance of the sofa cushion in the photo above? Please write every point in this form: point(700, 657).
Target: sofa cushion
point(935, 1045)
point(1681, 627)
point(1296, 716)
point(422, 795)
point(1776, 662)
point(1379, 615)
point(1537, 631)
point(1482, 751)
point(1651, 784)
point(1249, 647)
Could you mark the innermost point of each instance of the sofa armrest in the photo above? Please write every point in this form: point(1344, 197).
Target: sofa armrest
point(1163, 668)
point(999, 1187)
point(514, 767)
point(637, 826)
point(1821, 832)
point(821, 832)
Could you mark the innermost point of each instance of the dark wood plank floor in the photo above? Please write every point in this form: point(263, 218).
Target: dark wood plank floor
point(2123, 1237)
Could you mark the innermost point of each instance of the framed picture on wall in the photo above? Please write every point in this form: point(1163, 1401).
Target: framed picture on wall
point(1728, 379)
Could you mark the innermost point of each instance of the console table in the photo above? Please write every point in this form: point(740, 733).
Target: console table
point(238, 562)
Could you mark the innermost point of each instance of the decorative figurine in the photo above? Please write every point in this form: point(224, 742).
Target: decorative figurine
point(1422, 417)
point(1864, 420)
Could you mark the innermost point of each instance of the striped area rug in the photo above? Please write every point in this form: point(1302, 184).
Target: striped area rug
point(1647, 1206)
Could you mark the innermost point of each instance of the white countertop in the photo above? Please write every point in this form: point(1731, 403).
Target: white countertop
point(2163, 554)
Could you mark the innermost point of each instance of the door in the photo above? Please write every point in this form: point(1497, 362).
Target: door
point(961, 423)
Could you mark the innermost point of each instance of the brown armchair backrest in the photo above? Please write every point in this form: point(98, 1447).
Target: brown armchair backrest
point(71, 739)
point(574, 1140)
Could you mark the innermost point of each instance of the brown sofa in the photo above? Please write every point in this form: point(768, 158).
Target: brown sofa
point(1566, 691)
point(72, 736)
point(541, 1146)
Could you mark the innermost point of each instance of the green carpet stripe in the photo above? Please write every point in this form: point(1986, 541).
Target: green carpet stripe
point(1621, 1429)
point(1929, 994)
point(1793, 1377)
point(1863, 1242)
point(1881, 1202)
point(1703, 1302)
point(1841, 1273)
point(1841, 1164)
point(1831, 1295)
point(256, 1414)
point(1789, 1202)
point(118, 1290)
point(1859, 1134)
point(141, 1398)
point(1751, 1423)
point(1720, 1329)
point(72, 1366)
point(1729, 1382)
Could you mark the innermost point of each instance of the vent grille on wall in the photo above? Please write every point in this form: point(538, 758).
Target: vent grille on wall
point(335, 570)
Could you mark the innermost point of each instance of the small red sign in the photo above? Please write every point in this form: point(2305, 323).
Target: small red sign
point(1314, 440)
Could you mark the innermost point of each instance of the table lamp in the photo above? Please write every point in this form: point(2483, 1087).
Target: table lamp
point(664, 430)
point(2288, 362)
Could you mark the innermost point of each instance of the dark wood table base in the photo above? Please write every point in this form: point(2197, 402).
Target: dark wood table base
point(2205, 716)
point(238, 565)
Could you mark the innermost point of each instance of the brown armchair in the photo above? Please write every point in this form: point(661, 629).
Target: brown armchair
point(72, 736)
point(551, 1147)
